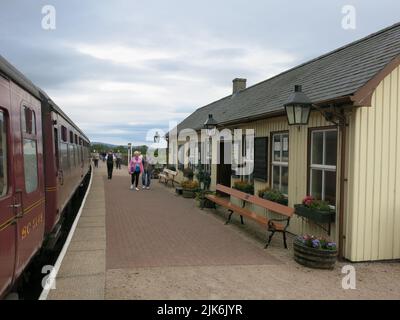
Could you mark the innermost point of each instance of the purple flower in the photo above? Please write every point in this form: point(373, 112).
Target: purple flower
point(331, 245)
point(315, 243)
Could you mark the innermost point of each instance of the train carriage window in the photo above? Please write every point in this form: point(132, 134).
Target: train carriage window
point(74, 154)
point(63, 133)
point(3, 156)
point(69, 147)
point(71, 137)
point(28, 121)
point(30, 165)
point(56, 148)
point(64, 156)
point(29, 144)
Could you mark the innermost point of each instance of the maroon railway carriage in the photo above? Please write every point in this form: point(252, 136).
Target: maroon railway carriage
point(44, 158)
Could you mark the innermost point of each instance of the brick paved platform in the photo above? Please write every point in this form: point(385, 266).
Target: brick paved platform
point(153, 228)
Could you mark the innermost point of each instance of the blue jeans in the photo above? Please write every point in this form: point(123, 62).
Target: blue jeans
point(146, 178)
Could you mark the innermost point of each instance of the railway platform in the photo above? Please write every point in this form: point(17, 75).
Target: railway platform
point(153, 244)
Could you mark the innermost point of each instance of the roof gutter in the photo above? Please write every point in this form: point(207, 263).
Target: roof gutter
point(340, 101)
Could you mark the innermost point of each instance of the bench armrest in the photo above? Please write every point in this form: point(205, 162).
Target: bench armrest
point(270, 222)
point(279, 220)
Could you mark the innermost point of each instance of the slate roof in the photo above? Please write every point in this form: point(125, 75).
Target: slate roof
point(335, 75)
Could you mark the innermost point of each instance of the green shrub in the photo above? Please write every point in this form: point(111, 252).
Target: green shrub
point(244, 187)
point(190, 185)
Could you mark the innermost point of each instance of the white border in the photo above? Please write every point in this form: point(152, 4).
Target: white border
point(54, 272)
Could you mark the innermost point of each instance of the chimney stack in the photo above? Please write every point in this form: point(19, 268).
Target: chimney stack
point(238, 85)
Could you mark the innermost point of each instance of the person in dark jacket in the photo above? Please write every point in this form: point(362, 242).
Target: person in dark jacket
point(110, 163)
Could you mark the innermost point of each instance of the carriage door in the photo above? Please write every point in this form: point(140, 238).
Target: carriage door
point(31, 186)
point(7, 211)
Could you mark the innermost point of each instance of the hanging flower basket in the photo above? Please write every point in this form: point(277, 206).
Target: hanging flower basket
point(316, 215)
point(315, 252)
point(316, 210)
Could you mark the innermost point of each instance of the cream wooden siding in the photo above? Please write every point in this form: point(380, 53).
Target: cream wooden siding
point(373, 223)
point(298, 170)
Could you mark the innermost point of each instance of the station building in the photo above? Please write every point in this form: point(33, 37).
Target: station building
point(347, 153)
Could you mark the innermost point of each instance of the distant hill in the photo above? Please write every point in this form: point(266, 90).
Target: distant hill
point(103, 144)
point(104, 147)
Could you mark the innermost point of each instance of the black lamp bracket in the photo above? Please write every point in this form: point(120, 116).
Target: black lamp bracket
point(332, 115)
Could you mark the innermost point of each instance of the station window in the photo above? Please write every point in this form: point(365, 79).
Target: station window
point(3, 155)
point(323, 160)
point(261, 158)
point(280, 162)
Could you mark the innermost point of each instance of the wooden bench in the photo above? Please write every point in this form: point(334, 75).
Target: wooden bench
point(272, 225)
point(167, 175)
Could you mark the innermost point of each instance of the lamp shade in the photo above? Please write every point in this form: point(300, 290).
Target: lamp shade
point(210, 125)
point(298, 107)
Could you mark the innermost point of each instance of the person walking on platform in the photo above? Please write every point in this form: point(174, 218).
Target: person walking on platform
point(95, 157)
point(147, 172)
point(119, 160)
point(110, 163)
point(135, 169)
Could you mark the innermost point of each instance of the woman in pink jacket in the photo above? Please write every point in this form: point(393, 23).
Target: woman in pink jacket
point(135, 169)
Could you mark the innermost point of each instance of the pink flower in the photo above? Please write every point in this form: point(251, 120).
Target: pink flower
point(307, 201)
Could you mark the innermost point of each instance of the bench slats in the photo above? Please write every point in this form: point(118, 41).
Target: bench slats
point(266, 204)
point(242, 211)
point(271, 224)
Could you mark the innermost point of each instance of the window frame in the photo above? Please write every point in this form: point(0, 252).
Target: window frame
point(64, 134)
point(32, 136)
point(280, 163)
point(321, 167)
point(6, 171)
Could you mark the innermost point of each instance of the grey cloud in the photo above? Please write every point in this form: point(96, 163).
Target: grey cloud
point(303, 29)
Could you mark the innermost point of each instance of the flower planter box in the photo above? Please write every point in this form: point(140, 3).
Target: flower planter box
point(189, 193)
point(319, 216)
point(314, 258)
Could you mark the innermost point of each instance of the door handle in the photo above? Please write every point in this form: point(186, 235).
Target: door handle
point(17, 205)
point(61, 177)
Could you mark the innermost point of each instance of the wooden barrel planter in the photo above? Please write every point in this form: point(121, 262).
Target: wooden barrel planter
point(312, 257)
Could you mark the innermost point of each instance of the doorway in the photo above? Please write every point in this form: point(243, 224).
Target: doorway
point(224, 169)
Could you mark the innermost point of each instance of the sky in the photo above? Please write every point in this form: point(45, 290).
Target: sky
point(122, 70)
